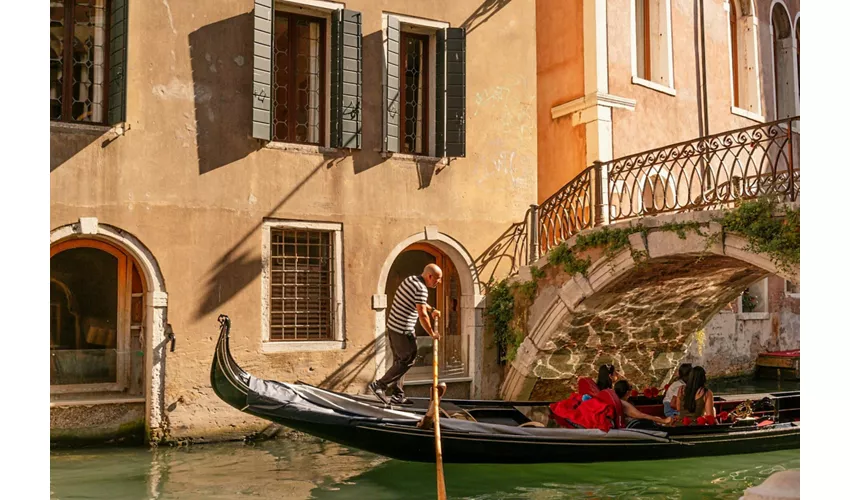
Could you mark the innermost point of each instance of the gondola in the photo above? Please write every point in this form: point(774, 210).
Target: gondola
point(483, 431)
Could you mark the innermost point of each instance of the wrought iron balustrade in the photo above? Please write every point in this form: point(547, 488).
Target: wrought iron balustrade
point(701, 174)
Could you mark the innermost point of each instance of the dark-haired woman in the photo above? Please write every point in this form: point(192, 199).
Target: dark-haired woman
point(622, 389)
point(695, 400)
point(607, 376)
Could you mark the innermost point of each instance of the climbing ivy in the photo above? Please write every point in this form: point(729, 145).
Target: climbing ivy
point(778, 238)
point(504, 298)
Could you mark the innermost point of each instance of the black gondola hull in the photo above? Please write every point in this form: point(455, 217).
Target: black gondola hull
point(402, 440)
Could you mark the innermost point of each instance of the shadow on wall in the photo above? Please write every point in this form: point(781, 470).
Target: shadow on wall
point(64, 146)
point(483, 13)
point(239, 266)
point(342, 378)
point(372, 104)
point(222, 61)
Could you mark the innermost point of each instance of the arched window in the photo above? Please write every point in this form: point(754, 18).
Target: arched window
point(96, 317)
point(652, 49)
point(743, 60)
point(784, 58)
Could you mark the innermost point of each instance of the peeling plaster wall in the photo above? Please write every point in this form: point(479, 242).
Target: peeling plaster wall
point(733, 340)
point(188, 181)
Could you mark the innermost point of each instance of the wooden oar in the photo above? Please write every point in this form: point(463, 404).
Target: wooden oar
point(433, 416)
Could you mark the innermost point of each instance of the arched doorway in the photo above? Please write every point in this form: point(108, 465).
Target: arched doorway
point(97, 317)
point(454, 347)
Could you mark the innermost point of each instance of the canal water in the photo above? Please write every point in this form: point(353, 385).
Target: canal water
point(312, 469)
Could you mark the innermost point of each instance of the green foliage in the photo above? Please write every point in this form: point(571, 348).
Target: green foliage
point(503, 300)
point(778, 238)
point(610, 240)
point(681, 228)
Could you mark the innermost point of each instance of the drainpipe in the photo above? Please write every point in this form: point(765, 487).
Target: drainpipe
point(704, 79)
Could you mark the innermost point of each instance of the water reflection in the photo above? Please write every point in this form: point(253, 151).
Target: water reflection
point(310, 469)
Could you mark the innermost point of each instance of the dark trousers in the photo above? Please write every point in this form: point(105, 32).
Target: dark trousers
point(404, 354)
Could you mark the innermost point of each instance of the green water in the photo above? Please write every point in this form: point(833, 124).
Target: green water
point(306, 469)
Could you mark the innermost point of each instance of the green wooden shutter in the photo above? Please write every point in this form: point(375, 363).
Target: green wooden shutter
point(346, 79)
point(393, 92)
point(455, 92)
point(263, 42)
point(117, 61)
point(441, 94)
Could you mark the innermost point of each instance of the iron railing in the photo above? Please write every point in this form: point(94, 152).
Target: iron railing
point(702, 174)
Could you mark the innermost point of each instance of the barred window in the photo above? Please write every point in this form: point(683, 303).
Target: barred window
point(302, 285)
point(79, 45)
point(414, 84)
point(299, 55)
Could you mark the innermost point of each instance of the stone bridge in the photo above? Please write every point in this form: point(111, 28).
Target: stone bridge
point(637, 308)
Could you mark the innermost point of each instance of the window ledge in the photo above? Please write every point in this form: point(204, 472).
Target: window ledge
point(94, 402)
point(792, 295)
point(413, 158)
point(84, 128)
point(302, 148)
point(446, 380)
point(303, 346)
point(754, 315)
point(747, 114)
point(654, 86)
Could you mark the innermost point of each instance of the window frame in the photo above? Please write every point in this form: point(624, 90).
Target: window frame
point(69, 6)
point(123, 323)
point(658, 52)
point(429, 28)
point(426, 91)
point(324, 74)
point(338, 340)
point(320, 10)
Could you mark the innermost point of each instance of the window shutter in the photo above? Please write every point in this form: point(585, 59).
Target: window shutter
point(455, 92)
point(346, 79)
point(393, 93)
point(441, 94)
point(117, 61)
point(263, 40)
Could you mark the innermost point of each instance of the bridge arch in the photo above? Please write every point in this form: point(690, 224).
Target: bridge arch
point(638, 308)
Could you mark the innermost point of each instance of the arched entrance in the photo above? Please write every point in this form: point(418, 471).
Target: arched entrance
point(123, 268)
point(454, 348)
point(460, 302)
point(96, 320)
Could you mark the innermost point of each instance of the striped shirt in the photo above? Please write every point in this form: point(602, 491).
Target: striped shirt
point(403, 313)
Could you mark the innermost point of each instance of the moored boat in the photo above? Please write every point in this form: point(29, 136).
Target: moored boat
point(487, 431)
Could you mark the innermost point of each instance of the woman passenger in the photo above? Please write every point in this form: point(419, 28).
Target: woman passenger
point(695, 400)
point(622, 388)
point(607, 376)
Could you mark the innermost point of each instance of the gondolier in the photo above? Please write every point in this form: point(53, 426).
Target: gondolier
point(410, 303)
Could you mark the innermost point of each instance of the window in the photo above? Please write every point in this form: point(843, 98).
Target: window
point(414, 82)
point(743, 60)
point(425, 87)
point(784, 58)
point(307, 73)
point(797, 38)
point(87, 45)
point(303, 282)
point(299, 104)
point(652, 48)
point(96, 317)
point(792, 289)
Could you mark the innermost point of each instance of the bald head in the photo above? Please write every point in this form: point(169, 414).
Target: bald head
point(433, 275)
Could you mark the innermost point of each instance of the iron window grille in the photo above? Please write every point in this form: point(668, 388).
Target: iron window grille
point(299, 91)
point(414, 84)
point(302, 285)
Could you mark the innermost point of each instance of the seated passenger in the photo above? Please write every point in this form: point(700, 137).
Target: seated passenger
point(694, 400)
point(607, 376)
point(673, 390)
point(622, 389)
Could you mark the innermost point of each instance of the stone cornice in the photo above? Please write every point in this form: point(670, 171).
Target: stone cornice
point(592, 101)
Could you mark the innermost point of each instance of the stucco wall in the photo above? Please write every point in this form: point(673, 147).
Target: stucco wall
point(189, 183)
point(560, 79)
point(732, 341)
